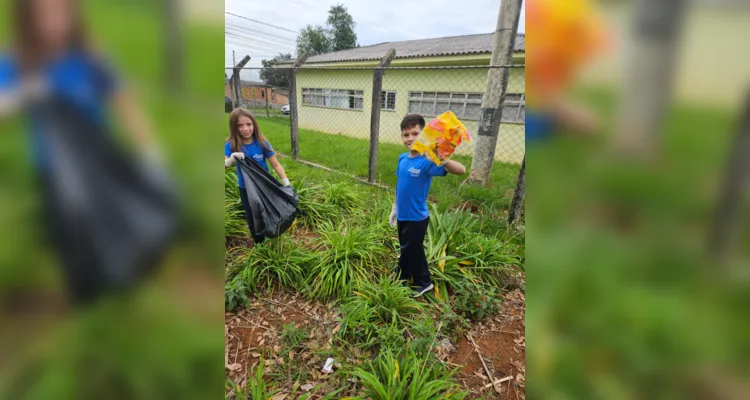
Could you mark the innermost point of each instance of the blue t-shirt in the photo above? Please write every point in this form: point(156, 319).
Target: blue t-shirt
point(80, 79)
point(413, 185)
point(253, 150)
point(539, 126)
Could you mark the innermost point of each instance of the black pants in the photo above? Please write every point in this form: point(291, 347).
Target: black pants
point(413, 262)
point(249, 217)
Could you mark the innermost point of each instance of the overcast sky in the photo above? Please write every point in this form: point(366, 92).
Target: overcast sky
point(376, 22)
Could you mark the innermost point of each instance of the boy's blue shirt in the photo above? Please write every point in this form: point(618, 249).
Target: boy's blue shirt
point(414, 178)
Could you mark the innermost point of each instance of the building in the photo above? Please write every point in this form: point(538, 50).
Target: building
point(254, 94)
point(336, 100)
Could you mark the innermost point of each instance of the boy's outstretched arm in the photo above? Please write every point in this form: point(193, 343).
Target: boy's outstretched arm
point(455, 167)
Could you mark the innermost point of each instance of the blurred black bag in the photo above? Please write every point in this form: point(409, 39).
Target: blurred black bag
point(274, 207)
point(112, 217)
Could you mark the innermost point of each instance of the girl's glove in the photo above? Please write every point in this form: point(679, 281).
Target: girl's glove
point(286, 182)
point(232, 159)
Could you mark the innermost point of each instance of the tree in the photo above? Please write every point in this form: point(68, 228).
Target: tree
point(313, 40)
point(277, 77)
point(341, 28)
point(337, 35)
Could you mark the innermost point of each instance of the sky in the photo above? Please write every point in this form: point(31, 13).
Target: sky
point(388, 21)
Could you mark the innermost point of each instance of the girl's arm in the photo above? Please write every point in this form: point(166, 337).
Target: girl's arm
point(455, 167)
point(279, 169)
point(134, 120)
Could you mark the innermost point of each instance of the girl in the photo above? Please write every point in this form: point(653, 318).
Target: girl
point(51, 57)
point(246, 140)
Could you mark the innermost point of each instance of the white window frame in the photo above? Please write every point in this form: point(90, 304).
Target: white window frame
point(457, 102)
point(334, 98)
point(384, 100)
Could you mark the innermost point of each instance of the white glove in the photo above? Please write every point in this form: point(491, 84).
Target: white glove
point(232, 159)
point(286, 182)
point(392, 218)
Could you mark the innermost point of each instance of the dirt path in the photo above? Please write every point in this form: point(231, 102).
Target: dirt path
point(257, 330)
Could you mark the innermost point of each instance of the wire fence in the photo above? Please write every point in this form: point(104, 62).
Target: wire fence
point(334, 111)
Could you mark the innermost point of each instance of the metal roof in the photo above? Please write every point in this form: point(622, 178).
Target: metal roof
point(445, 46)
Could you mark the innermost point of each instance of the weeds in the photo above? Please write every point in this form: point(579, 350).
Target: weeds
point(378, 311)
point(411, 377)
point(350, 256)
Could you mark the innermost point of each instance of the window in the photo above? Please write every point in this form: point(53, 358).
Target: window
point(334, 98)
point(467, 106)
point(387, 100)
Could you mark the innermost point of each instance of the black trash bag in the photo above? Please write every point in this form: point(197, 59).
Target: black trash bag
point(111, 217)
point(274, 206)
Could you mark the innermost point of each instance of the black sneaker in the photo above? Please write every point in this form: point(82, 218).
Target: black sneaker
point(422, 290)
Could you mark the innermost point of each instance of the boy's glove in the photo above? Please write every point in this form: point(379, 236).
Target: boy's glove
point(232, 159)
point(286, 182)
point(392, 218)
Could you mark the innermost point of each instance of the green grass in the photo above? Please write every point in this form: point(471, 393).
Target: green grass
point(351, 155)
point(391, 377)
point(377, 305)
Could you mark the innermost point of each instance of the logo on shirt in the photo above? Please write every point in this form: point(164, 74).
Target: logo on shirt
point(414, 172)
point(258, 157)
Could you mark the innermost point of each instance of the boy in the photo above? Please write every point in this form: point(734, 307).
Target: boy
point(414, 177)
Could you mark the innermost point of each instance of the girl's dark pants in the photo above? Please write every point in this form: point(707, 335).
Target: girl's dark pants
point(413, 262)
point(249, 217)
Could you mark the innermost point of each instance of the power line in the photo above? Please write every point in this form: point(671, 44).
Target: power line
point(256, 38)
point(236, 26)
point(248, 41)
point(263, 23)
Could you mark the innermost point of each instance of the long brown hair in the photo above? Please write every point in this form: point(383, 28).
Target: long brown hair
point(27, 42)
point(235, 138)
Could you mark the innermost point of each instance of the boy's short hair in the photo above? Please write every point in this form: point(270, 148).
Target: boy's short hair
point(412, 120)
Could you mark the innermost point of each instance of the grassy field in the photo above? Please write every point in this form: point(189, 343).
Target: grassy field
point(326, 289)
point(351, 155)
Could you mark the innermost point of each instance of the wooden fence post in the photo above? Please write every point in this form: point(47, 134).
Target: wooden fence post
point(725, 225)
point(377, 87)
point(516, 204)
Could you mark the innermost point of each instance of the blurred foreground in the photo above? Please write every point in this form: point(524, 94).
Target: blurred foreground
point(624, 299)
point(164, 338)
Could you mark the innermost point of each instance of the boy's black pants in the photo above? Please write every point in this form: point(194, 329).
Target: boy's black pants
point(249, 217)
point(413, 262)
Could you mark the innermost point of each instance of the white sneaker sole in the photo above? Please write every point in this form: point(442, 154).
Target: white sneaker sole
point(425, 290)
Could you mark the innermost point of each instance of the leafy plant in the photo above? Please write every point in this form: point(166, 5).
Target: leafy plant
point(350, 255)
point(490, 259)
point(276, 260)
point(234, 221)
point(453, 323)
point(235, 294)
point(411, 377)
point(257, 388)
point(343, 195)
point(376, 308)
point(477, 302)
point(313, 210)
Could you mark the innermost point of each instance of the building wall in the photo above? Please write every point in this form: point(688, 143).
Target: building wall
point(356, 123)
point(713, 65)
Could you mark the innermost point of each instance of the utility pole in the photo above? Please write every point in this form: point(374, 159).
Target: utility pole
point(494, 93)
point(650, 68)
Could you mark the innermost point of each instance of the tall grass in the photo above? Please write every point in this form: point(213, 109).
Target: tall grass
point(374, 306)
point(410, 377)
point(277, 260)
point(350, 254)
